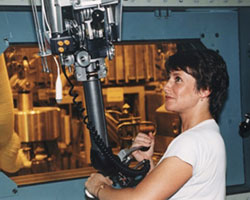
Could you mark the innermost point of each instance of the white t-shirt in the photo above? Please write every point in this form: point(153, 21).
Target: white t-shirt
point(202, 147)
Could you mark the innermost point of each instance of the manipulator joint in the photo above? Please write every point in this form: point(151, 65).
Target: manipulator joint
point(89, 30)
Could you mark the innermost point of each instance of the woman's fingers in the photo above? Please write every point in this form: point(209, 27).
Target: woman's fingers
point(95, 180)
point(108, 181)
point(142, 140)
point(142, 137)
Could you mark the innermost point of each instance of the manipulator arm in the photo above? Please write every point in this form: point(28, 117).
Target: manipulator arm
point(82, 32)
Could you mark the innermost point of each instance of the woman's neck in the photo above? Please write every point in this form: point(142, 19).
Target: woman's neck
point(191, 119)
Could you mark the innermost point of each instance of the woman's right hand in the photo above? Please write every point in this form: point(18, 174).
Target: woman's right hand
point(145, 140)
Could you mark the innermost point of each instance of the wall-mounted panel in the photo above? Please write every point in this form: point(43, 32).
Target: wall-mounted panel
point(217, 29)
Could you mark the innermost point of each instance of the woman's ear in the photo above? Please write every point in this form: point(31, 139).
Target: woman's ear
point(204, 93)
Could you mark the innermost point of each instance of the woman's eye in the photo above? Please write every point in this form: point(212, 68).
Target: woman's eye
point(177, 79)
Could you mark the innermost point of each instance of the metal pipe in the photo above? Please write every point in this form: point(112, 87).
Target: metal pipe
point(54, 15)
point(25, 101)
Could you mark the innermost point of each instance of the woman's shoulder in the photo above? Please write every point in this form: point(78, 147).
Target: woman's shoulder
point(206, 126)
point(205, 131)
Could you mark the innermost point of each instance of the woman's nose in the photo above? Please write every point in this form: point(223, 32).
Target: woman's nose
point(167, 86)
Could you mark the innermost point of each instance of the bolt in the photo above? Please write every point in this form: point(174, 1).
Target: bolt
point(14, 191)
point(78, 2)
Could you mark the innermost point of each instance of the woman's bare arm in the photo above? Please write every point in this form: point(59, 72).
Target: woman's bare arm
point(170, 175)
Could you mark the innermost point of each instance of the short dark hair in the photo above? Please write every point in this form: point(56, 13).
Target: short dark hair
point(210, 71)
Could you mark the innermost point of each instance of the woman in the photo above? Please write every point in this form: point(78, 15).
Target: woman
point(193, 167)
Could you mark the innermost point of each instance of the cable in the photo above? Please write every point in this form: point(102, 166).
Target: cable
point(59, 95)
point(45, 20)
point(121, 169)
point(74, 95)
point(117, 163)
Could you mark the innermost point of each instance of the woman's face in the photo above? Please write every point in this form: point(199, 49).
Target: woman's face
point(181, 94)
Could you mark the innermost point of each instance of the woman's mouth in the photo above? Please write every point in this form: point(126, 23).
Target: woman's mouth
point(169, 97)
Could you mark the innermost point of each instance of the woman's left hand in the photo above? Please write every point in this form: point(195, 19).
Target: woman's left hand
point(95, 181)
